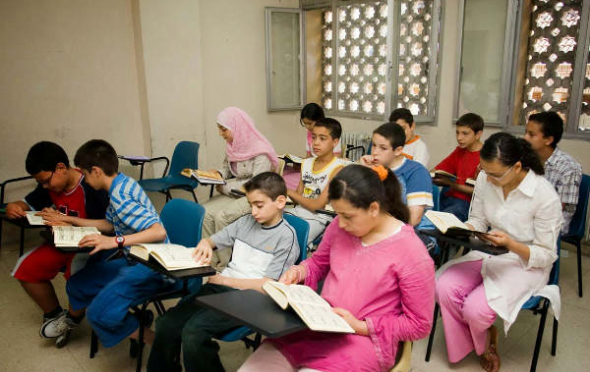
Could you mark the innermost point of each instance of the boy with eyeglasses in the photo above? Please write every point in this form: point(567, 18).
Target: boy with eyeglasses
point(60, 189)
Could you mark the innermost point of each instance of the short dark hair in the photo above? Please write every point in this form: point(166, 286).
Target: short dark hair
point(332, 125)
point(551, 125)
point(44, 156)
point(402, 113)
point(393, 132)
point(269, 183)
point(471, 120)
point(97, 153)
point(312, 111)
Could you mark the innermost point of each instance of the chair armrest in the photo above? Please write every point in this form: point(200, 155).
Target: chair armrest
point(12, 180)
point(167, 163)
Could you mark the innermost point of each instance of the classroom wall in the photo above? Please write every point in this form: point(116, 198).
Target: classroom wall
point(67, 74)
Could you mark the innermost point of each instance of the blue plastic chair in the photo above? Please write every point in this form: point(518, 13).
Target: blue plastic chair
point(536, 304)
point(302, 230)
point(186, 155)
point(578, 226)
point(183, 221)
point(436, 197)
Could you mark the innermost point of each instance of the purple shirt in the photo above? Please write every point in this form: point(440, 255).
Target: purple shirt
point(389, 284)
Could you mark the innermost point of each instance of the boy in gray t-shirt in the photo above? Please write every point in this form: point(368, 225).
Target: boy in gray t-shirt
point(264, 247)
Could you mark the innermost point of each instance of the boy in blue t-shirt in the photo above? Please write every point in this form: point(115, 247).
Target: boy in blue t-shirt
point(107, 288)
point(387, 149)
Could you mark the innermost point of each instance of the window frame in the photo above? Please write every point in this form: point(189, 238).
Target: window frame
point(268, 12)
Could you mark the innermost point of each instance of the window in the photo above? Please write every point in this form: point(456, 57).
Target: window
point(544, 67)
point(364, 58)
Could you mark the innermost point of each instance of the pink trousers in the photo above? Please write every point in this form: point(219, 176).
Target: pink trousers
point(269, 358)
point(465, 312)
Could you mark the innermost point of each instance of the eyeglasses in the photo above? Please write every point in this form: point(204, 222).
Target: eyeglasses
point(496, 178)
point(47, 181)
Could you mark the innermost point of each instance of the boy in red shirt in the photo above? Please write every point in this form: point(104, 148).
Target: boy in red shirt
point(61, 189)
point(462, 163)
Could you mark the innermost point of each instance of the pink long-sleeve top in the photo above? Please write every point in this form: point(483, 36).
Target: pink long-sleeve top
point(389, 284)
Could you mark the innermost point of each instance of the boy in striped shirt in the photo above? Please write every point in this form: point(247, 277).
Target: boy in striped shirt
point(107, 287)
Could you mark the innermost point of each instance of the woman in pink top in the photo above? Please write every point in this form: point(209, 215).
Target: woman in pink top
point(378, 277)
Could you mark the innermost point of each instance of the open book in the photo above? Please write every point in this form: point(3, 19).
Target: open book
point(294, 158)
point(315, 312)
point(470, 182)
point(70, 236)
point(35, 220)
point(170, 256)
point(449, 224)
point(204, 177)
point(441, 173)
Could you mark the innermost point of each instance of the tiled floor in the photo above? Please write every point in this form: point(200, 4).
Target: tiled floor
point(22, 350)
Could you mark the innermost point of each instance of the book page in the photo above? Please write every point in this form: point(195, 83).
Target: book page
point(277, 291)
point(444, 221)
point(321, 318)
point(303, 294)
point(70, 236)
point(35, 220)
point(172, 256)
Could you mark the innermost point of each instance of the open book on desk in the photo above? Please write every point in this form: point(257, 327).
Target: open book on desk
point(449, 224)
point(170, 256)
point(204, 177)
point(293, 158)
point(315, 312)
point(66, 238)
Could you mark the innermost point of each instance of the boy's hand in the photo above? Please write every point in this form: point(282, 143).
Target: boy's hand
point(53, 217)
point(359, 326)
point(203, 253)
point(14, 210)
point(98, 241)
point(215, 279)
point(367, 160)
point(294, 275)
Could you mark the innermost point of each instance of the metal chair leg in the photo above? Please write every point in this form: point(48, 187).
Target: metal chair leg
point(140, 342)
point(194, 195)
point(554, 338)
point(579, 254)
point(543, 312)
point(93, 344)
point(431, 337)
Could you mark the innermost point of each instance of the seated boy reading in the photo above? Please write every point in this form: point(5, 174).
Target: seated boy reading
point(60, 190)
point(107, 287)
point(316, 173)
point(461, 163)
point(264, 247)
point(414, 148)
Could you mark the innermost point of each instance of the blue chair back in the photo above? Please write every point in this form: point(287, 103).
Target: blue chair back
point(436, 197)
point(183, 221)
point(578, 223)
point(302, 229)
point(186, 155)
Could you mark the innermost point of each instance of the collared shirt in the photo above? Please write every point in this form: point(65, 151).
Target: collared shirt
point(531, 215)
point(416, 150)
point(565, 174)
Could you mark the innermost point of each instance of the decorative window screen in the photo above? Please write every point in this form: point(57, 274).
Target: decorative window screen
point(356, 83)
point(415, 52)
point(551, 57)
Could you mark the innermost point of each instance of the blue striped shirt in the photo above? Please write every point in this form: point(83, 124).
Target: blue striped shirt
point(130, 210)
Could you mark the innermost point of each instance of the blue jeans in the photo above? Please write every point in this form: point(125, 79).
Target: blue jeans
point(458, 207)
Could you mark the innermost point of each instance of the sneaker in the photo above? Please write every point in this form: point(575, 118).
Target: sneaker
point(62, 340)
point(55, 327)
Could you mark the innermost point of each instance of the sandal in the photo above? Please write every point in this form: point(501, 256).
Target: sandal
point(489, 359)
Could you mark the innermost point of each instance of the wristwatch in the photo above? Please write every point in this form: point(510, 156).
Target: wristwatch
point(120, 239)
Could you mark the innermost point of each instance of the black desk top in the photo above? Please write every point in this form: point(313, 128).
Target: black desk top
point(471, 243)
point(176, 274)
point(255, 310)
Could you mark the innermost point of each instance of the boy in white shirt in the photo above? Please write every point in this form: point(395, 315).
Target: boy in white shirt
point(316, 173)
point(414, 149)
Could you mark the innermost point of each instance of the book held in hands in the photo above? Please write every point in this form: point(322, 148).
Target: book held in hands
point(170, 256)
point(35, 220)
point(290, 157)
point(70, 236)
point(315, 312)
point(449, 224)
